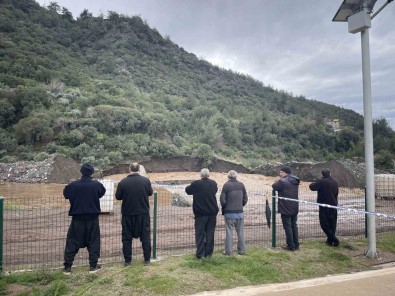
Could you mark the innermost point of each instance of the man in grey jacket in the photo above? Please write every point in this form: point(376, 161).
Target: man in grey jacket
point(288, 186)
point(233, 199)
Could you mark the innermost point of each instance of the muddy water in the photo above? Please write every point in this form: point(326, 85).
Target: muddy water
point(30, 190)
point(53, 193)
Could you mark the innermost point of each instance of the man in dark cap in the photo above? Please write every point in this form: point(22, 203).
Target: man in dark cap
point(134, 191)
point(288, 186)
point(327, 191)
point(84, 230)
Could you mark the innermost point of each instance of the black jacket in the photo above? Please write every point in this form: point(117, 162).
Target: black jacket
point(84, 195)
point(288, 186)
point(204, 200)
point(134, 191)
point(328, 190)
point(233, 197)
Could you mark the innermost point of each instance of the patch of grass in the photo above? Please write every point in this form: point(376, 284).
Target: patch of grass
point(158, 284)
point(251, 269)
point(182, 275)
point(58, 288)
point(387, 243)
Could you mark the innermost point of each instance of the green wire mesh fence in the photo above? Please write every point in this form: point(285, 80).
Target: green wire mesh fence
point(34, 229)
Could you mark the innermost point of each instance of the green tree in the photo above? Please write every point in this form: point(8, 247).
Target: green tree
point(35, 128)
point(7, 113)
point(204, 152)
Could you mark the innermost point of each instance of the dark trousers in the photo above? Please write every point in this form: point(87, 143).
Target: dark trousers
point(81, 234)
point(291, 230)
point(136, 226)
point(204, 235)
point(328, 222)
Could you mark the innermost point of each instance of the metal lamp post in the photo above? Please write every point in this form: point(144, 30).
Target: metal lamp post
point(357, 14)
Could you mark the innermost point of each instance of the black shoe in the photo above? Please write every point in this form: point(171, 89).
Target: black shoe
point(66, 270)
point(297, 248)
point(147, 262)
point(329, 243)
point(226, 254)
point(241, 253)
point(336, 244)
point(94, 269)
point(126, 264)
point(287, 248)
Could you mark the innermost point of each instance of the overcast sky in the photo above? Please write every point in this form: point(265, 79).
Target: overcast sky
point(287, 44)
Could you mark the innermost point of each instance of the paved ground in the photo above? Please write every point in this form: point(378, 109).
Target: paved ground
point(380, 282)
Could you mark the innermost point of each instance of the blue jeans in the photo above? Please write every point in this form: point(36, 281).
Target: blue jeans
point(291, 230)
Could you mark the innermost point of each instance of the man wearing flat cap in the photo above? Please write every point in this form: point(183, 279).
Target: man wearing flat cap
point(84, 230)
point(288, 186)
point(327, 191)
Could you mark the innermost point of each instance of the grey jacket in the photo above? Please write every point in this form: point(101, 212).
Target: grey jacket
point(233, 197)
point(288, 186)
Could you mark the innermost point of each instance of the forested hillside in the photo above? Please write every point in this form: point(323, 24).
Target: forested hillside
point(110, 88)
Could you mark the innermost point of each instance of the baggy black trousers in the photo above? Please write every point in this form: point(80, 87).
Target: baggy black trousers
point(136, 226)
point(81, 234)
point(328, 222)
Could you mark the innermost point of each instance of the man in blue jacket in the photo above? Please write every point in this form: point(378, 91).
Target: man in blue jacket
point(327, 191)
point(205, 208)
point(84, 230)
point(134, 191)
point(288, 186)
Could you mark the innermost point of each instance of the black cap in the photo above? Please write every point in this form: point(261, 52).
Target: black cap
point(87, 169)
point(286, 170)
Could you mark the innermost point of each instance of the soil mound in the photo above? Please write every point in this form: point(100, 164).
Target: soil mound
point(347, 172)
point(57, 169)
point(62, 170)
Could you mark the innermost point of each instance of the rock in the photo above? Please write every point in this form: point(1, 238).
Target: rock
point(181, 201)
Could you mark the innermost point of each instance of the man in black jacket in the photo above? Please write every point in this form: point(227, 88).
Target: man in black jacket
point(84, 230)
point(233, 198)
point(327, 191)
point(288, 186)
point(205, 208)
point(134, 191)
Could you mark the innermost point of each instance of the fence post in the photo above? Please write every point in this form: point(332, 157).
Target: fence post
point(366, 215)
point(155, 220)
point(1, 232)
point(273, 219)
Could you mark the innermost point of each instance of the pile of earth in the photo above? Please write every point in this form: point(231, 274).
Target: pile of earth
point(62, 170)
point(56, 169)
point(348, 172)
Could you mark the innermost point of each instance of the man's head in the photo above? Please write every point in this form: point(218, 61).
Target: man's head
point(232, 175)
point(134, 167)
point(204, 173)
point(284, 171)
point(326, 173)
point(87, 169)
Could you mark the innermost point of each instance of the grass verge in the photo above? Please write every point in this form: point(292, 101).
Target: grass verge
point(186, 275)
